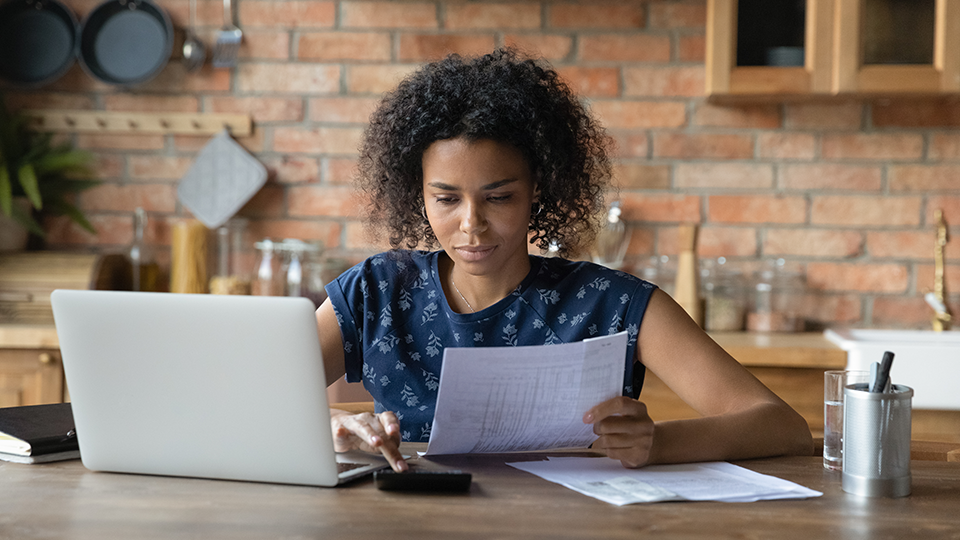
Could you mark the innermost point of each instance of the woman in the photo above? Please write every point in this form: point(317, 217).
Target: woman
point(484, 157)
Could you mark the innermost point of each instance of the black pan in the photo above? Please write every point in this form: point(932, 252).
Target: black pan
point(125, 42)
point(38, 41)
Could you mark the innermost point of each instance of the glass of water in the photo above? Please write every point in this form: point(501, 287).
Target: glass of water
point(833, 383)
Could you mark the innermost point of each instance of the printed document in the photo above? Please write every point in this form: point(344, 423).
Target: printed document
point(505, 399)
point(606, 479)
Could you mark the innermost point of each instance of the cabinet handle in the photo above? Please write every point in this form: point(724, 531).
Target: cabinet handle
point(45, 358)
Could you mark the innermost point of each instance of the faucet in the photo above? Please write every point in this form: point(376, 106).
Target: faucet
point(937, 298)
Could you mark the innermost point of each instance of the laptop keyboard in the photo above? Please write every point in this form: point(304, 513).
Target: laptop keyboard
point(343, 467)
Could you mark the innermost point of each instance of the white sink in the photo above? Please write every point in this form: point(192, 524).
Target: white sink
point(927, 361)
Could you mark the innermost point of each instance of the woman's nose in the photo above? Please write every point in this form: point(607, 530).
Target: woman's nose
point(473, 220)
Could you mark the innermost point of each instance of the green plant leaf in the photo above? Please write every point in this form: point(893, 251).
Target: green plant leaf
point(62, 160)
point(72, 212)
point(28, 181)
point(6, 190)
point(23, 217)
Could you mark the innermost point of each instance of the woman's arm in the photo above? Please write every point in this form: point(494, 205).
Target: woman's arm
point(364, 431)
point(740, 417)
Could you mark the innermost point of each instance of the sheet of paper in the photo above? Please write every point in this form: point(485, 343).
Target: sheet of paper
point(609, 481)
point(504, 399)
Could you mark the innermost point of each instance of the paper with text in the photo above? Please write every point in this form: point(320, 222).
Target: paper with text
point(505, 399)
point(609, 481)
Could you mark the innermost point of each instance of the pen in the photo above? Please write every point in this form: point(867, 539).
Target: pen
point(883, 373)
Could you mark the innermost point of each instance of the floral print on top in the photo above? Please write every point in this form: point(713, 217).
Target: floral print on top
point(395, 323)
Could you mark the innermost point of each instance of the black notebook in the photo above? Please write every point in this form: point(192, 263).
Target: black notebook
point(38, 433)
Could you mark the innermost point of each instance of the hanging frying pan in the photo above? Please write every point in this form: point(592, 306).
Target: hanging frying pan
point(38, 40)
point(125, 42)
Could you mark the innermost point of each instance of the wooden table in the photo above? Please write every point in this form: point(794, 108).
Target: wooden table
point(64, 500)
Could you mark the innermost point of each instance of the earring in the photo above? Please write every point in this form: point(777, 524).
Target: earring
point(539, 209)
point(423, 212)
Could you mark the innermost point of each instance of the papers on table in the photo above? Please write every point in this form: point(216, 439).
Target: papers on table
point(607, 480)
point(504, 399)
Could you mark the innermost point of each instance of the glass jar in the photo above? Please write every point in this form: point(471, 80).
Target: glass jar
point(774, 302)
point(231, 274)
point(144, 270)
point(660, 270)
point(612, 241)
point(266, 282)
point(722, 290)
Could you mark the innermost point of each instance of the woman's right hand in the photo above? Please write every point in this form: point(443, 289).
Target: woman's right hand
point(369, 433)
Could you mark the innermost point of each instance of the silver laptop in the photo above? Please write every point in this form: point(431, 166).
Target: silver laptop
point(228, 387)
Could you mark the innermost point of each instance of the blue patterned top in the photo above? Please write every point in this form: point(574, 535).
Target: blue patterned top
point(395, 322)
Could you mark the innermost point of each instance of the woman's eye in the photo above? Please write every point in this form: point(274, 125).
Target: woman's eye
point(499, 198)
point(446, 200)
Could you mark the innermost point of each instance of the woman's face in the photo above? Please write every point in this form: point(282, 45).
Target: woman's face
point(478, 196)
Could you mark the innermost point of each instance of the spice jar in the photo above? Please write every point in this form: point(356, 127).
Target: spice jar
point(773, 303)
point(266, 281)
point(724, 301)
point(231, 274)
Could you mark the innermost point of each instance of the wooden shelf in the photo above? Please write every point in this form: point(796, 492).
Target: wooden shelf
point(239, 125)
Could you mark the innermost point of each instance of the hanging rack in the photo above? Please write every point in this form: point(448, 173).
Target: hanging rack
point(239, 125)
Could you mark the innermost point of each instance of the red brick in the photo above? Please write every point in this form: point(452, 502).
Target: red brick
point(106, 166)
point(111, 231)
point(756, 209)
point(429, 47)
point(159, 167)
point(924, 178)
point(264, 45)
point(119, 198)
point(641, 176)
point(786, 146)
point(667, 81)
point(737, 116)
point(641, 243)
point(327, 140)
point(287, 14)
point(289, 78)
point(912, 114)
point(873, 146)
point(342, 110)
point(597, 15)
point(48, 100)
point(678, 15)
point(944, 146)
point(146, 103)
point(864, 210)
point(77, 80)
point(903, 312)
point(548, 46)
point(175, 79)
point(844, 115)
point(908, 245)
point(830, 309)
point(715, 241)
point(339, 170)
point(260, 109)
point(692, 48)
point(293, 169)
point(376, 79)
point(388, 15)
point(327, 232)
point(331, 46)
point(359, 237)
point(493, 16)
point(253, 143)
point(629, 144)
point(724, 175)
point(925, 278)
point(887, 278)
point(119, 141)
point(674, 208)
point(702, 146)
point(831, 177)
point(813, 243)
point(625, 48)
point(592, 81)
point(640, 114)
point(326, 201)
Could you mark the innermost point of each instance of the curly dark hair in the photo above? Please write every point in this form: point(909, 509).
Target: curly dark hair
point(501, 97)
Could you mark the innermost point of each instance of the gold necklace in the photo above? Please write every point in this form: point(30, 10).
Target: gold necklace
point(461, 295)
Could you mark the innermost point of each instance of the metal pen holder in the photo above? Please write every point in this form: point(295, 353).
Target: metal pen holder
point(876, 441)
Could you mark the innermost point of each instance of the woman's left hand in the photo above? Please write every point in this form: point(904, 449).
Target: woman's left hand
point(625, 429)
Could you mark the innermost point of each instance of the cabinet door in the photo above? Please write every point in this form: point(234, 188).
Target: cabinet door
point(30, 377)
point(769, 47)
point(897, 46)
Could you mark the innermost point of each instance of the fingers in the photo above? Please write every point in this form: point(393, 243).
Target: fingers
point(370, 433)
point(620, 406)
point(625, 430)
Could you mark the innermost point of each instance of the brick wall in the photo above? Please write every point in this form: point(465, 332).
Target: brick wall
point(845, 188)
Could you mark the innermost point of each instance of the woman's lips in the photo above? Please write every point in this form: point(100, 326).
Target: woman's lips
point(474, 253)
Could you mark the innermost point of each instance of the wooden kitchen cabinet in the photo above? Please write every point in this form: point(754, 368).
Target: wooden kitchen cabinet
point(31, 371)
point(849, 47)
